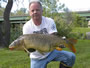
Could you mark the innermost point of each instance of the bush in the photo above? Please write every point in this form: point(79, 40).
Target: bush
point(66, 23)
point(63, 27)
point(77, 35)
point(16, 31)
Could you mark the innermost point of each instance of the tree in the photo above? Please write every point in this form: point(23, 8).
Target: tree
point(22, 11)
point(5, 30)
point(51, 6)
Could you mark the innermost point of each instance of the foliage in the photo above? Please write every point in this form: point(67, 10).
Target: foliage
point(1, 11)
point(52, 6)
point(16, 31)
point(19, 59)
point(67, 21)
point(22, 11)
point(62, 26)
point(79, 21)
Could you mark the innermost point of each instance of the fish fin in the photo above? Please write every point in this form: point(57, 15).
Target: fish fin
point(26, 49)
point(58, 48)
point(72, 48)
point(72, 41)
point(70, 44)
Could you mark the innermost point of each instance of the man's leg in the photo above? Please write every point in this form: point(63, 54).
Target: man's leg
point(38, 63)
point(66, 58)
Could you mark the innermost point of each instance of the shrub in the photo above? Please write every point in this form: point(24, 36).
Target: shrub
point(16, 31)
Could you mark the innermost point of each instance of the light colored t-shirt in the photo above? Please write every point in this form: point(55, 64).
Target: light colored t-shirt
point(46, 27)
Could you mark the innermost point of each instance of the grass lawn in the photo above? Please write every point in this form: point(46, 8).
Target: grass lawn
point(20, 59)
point(81, 30)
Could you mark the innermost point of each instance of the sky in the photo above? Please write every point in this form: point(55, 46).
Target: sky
point(73, 5)
point(77, 5)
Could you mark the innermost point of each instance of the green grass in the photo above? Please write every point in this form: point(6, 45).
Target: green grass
point(83, 54)
point(20, 59)
point(13, 59)
point(81, 30)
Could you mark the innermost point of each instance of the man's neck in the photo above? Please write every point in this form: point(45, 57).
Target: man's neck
point(37, 22)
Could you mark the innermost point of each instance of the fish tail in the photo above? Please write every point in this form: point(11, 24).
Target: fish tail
point(72, 48)
point(70, 44)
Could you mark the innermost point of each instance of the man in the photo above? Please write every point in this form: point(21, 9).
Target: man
point(44, 25)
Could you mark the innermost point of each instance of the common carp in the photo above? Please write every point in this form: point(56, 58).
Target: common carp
point(42, 43)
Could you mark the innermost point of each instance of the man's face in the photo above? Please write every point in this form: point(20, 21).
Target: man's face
point(35, 11)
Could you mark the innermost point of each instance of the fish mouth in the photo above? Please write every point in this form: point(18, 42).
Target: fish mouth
point(11, 48)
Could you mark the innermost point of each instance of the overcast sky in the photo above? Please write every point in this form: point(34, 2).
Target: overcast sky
point(73, 5)
point(77, 5)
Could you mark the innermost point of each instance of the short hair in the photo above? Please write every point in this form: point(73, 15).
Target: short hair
point(35, 1)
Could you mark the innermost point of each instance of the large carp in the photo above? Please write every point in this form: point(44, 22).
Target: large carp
point(41, 42)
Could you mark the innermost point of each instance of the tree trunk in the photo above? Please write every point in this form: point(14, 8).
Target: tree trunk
point(2, 41)
point(5, 34)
